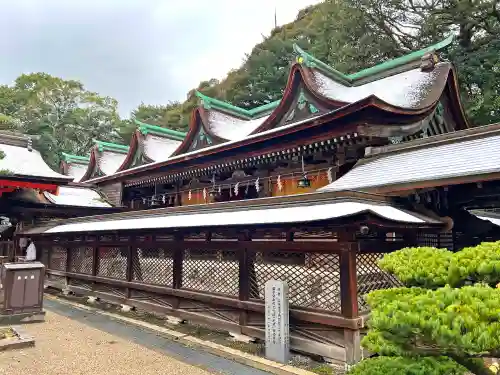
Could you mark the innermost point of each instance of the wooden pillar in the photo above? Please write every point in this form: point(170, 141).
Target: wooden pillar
point(95, 260)
point(69, 255)
point(244, 271)
point(263, 176)
point(178, 200)
point(348, 284)
point(349, 296)
point(69, 259)
point(178, 261)
point(129, 271)
point(49, 256)
point(353, 350)
point(246, 274)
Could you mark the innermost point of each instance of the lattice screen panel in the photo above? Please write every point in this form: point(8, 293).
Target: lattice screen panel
point(153, 270)
point(44, 256)
point(55, 281)
point(58, 258)
point(313, 279)
point(112, 263)
point(81, 259)
point(428, 239)
point(371, 277)
point(211, 271)
point(446, 241)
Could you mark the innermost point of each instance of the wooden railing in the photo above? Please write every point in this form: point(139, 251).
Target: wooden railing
point(7, 248)
point(221, 283)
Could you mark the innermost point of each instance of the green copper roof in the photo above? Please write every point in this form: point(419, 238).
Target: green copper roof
point(348, 79)
point(209, 103)
point(108, 146)
point(75, 158)
point(313, 62)
point(147, 128)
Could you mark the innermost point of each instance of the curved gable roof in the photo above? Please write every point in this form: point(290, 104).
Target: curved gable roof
point(105, 159)
point(406, 89)
point(151, 143)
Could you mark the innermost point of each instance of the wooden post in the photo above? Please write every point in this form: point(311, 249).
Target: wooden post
point(349, 298)
point(49, 257)
point(68, 264)
point(348, 284)
point(177, 200)
point(244, 274)
point(353, 350)
point(178, 260)
point(130, 270)
point(68, 259)
point(95, 260)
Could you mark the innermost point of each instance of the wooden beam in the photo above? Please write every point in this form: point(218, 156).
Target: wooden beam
point(330, 319)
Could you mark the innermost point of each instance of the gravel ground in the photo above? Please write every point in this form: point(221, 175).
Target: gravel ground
point(64, 346)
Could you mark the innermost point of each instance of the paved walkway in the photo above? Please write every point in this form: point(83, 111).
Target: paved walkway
point(75, 342)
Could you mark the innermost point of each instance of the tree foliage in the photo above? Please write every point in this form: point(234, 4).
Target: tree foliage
point(408, 366)
point(412, 24)
point(349, 35)
point(430, 268)
point(63, 115)
point(449, 308)
point(354, 34)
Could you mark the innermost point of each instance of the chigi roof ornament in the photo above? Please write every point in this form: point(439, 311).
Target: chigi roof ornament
point(428, 61)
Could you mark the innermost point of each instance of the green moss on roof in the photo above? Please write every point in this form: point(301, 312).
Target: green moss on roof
point(75, 158)
point(148, 128)
point(349, 79)
point(108, 146)
point(262, 110)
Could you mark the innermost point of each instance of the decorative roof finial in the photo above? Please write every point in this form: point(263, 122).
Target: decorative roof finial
point(429, 61)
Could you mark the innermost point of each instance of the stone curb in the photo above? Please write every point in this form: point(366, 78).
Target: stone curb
point(22, 341)
point(213, 348)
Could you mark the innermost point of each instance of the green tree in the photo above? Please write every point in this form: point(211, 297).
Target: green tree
point(171, 115)
point(449, 310)
point(63, 115)
point(413, 24)
point(351, 35)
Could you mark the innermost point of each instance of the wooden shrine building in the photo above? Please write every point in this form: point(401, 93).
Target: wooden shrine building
point(234, 202)
point(312, 136)
point(31, 192)
point(209, 263)
point(454, 175)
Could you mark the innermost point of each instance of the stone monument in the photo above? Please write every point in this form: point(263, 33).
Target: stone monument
point(277, 324)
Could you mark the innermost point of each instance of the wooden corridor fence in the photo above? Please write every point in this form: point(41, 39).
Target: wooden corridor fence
point(220, 283)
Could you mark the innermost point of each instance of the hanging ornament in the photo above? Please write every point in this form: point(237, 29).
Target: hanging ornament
point(164, 199)
point(236, 188)
point(247, 188)
point(220, 190)
point(304, 182)
point(329, 174)
point(143, 200)
point(279, 183)
point(213, 192)
point(204, 193)
point(257, 184)
point(189, 195)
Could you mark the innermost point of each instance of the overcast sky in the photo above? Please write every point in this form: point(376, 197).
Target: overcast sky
point(135, 50)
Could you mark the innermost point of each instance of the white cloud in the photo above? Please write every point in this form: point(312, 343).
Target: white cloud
point(235, 29)
point(135, 50)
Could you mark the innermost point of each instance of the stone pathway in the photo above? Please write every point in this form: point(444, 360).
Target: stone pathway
point(75, 342)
